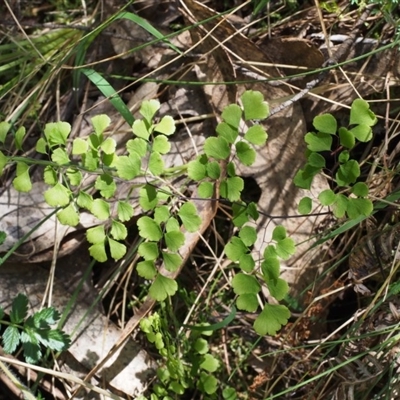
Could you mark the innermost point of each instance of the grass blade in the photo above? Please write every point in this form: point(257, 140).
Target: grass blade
point(108, 91)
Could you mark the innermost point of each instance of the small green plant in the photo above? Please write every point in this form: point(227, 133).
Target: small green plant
point(161, 230)
point(247, 283)
point(188, 365)
point(349, 196)
point(33, 332)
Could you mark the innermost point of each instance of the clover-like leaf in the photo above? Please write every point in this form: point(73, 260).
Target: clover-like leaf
point(148, 197)
point(146, 269)
point(57, 196)
point(128, 167)
point(360, 113)
point(217, 147)
point(362, 132)
point(79, 146)
point(174, 240)
point(172, 261)
point(22, 182)
point(137, 145)
point(124, 211)
point(318, 141)
point(100, 123)
point(84, 200)
point(69, 215)
point(201, 346)
point(327, 197)
point(96, 234)
point(243, 283)
point(231, 169)
point(162, 287)
point(109, 159)
point(109, 146)
point(206, 190)
point(94, 142)
point(60, 156)
point(141, 129)
point(100, 209)
point(325, 123)
point(56, 133)
point(247, 302)
point(74, 176)
point(340, 205)
point(254, 105)
point(149, 108)
point(208, 383)
point(270, 251)
point(156, 163)
point(285, 248)
point(344, 156)
point(148, 250)
point(19, 137)
point(166, 126)
point(118, 231)
point(117, 250)
point(106, 185)
point(196, 170)
point(256, 134)
point(162, 214)
point(348, 173)
point(271, 319)
point(252, 211)
point(98, 252)
point(316, 160)
point(213, 170)
point(305, 205)
point(270, 267)
point(227, 132)
point(278, 288)
point(240, 215)
point(149, 229)
point(4, 128)
point(189, 216)
point(231, 115)
point(210, 363)
point(359, 207)
point(245, 153)
point(347, 138)
point(279, 233)
point(231, 188)
point(247, 263)
point(91, 160)
point(248, 234)
point(161, 144)
point(50, 175)
point(304, 177)
point(175, 386)
point(229, 393)
point(360, 189)
point(235, 249)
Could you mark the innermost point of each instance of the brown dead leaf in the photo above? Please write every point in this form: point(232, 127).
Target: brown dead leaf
point(294, 52)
